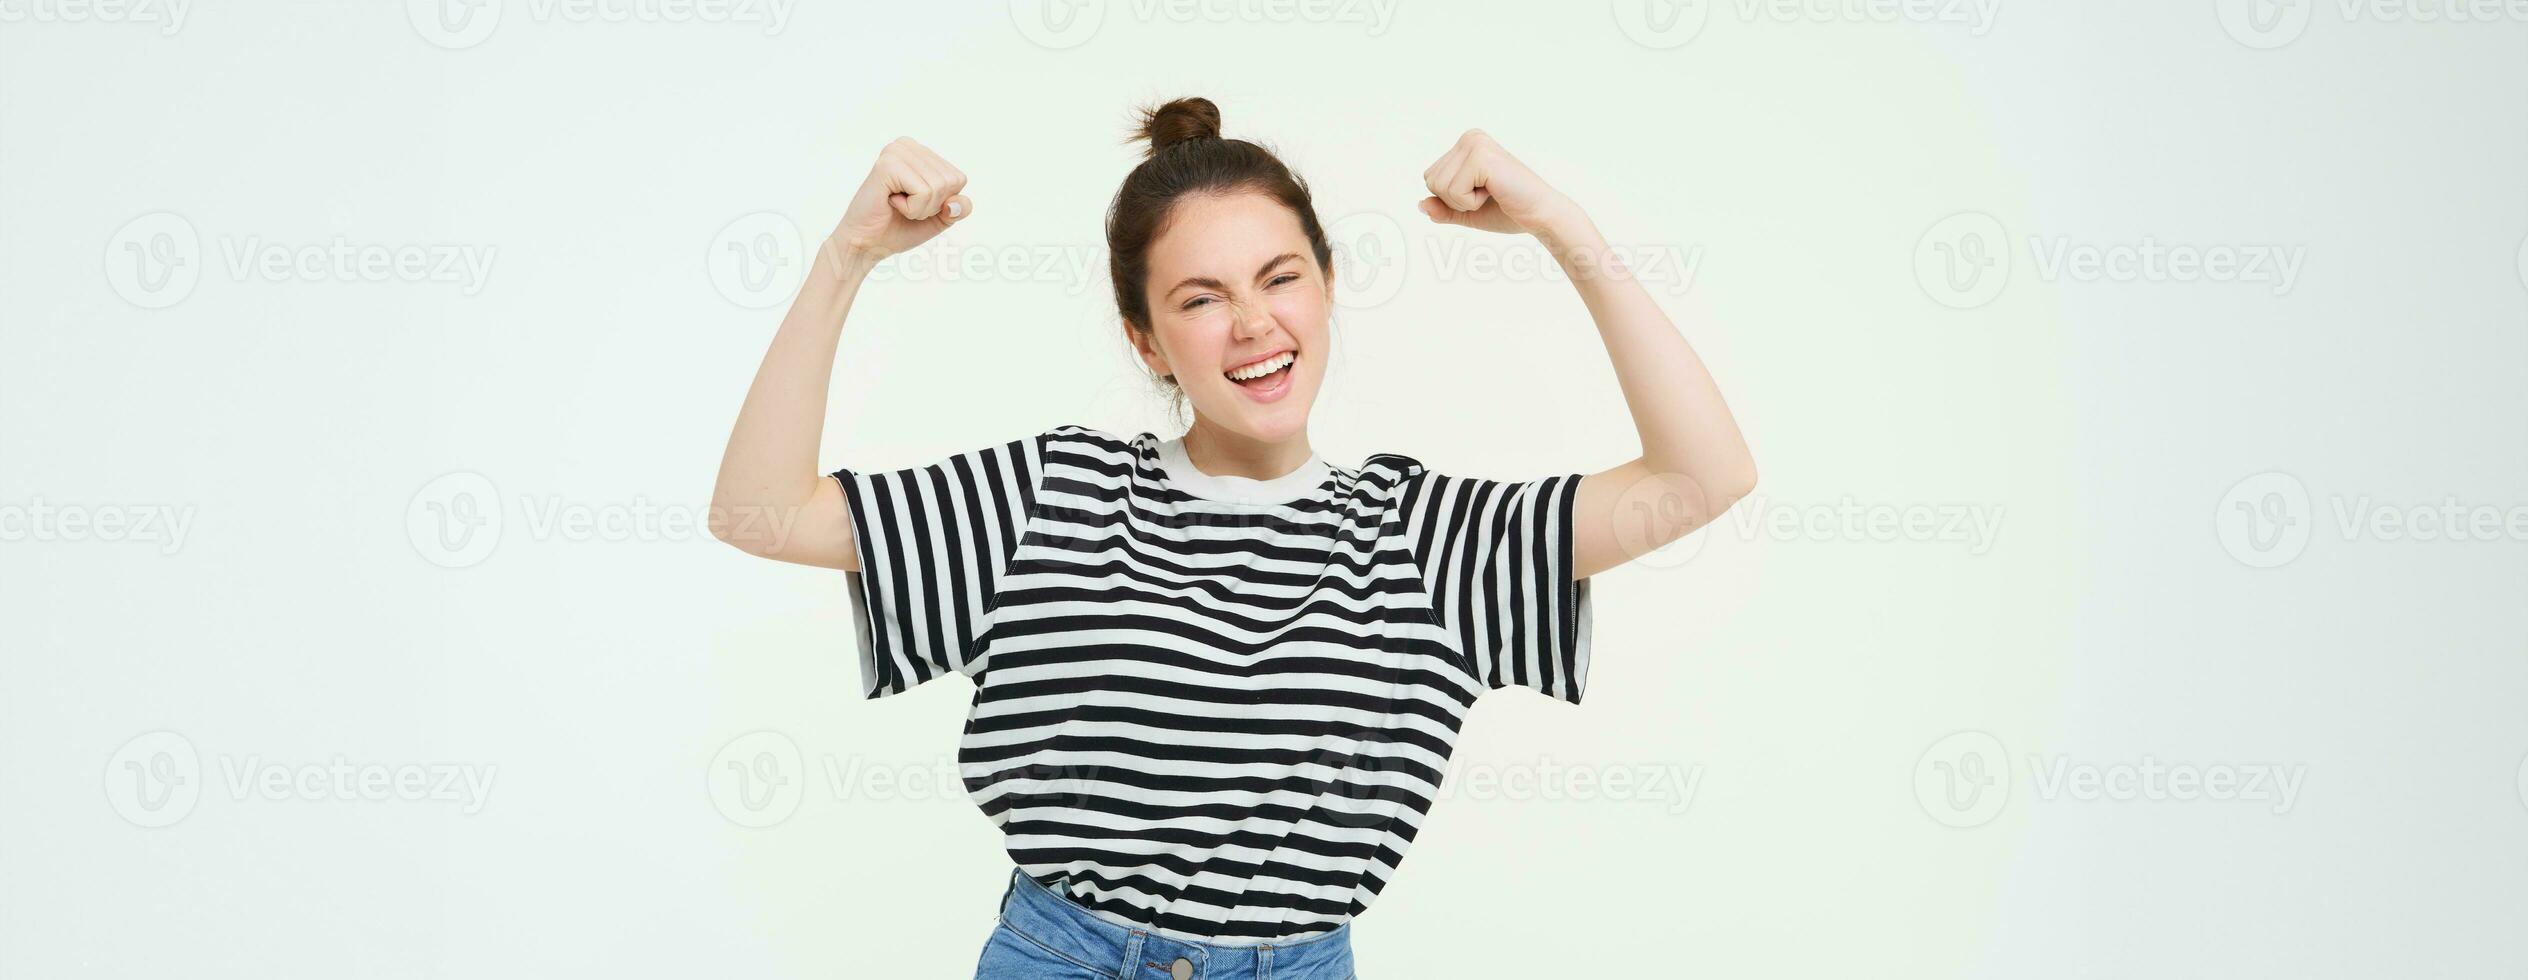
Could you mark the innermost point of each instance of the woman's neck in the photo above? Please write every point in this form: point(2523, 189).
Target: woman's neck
point(1220, 453)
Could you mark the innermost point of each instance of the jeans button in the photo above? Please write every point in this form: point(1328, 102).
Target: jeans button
point(1182, 969)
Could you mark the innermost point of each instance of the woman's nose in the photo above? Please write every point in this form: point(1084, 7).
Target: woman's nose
point(1251, 319)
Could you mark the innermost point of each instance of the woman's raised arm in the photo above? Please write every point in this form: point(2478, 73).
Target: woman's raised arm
point(769, 499)
point(1694, 463)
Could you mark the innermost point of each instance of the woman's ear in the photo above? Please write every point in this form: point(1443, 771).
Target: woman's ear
point(1146, 344)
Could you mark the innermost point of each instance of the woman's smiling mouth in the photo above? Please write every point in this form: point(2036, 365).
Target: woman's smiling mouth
point(1266, 378)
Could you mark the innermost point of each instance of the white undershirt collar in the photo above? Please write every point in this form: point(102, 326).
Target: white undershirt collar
point(1282, 489)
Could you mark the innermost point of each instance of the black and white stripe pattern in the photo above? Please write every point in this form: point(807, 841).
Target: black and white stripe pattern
point(934, 542)
point(1219, 718)
point(1496, 560)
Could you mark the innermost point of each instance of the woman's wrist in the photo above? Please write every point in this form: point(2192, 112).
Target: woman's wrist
point(1572, 238)
point(844, 262)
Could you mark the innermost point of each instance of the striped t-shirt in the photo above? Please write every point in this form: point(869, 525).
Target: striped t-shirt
point(1218, 706)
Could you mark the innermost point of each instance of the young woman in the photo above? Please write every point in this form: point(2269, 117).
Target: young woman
point(1217, 678)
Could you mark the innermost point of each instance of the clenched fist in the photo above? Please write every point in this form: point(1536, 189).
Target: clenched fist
point(1480, 185)
point(911, 195)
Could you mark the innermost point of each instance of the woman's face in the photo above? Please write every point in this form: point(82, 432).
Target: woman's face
point(1235, 290)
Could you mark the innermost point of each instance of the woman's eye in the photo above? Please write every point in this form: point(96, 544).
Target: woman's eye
point(1202, 301)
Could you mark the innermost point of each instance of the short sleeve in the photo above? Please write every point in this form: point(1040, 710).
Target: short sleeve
point(1496, 561)
point(934, 542)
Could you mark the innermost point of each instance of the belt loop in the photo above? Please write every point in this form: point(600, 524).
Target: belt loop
point(1132, 954)
point(1264, 962)
point(1011, 888)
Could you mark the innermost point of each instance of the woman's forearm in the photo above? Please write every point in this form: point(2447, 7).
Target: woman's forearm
point(769, 471)
point(1685, 427)
point(769, 498)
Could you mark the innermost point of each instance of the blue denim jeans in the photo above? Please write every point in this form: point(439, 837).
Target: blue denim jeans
point(1045, 936)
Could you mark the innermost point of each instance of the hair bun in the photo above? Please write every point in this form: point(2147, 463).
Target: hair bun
point(1190, 118)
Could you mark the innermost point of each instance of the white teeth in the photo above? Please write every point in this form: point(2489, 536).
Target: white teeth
point(1264, 367)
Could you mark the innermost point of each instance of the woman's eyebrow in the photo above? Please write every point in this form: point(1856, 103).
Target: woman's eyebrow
point(1211, 283)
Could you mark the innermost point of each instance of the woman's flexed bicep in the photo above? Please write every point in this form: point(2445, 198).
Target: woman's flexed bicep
point(818, 531)
point(1631, 510)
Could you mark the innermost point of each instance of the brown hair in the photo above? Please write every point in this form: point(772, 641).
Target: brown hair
point(1187, 156)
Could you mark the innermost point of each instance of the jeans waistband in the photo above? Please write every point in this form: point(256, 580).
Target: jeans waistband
point(1057, 923)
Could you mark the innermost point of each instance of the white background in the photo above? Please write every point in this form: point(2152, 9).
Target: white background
point(440, 523)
